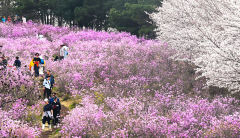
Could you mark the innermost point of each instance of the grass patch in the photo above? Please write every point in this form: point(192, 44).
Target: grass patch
point(66, 97)
point(73, 105)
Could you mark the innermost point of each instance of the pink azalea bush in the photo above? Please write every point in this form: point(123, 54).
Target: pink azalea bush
point(13, 128)
point(162, 115)
point(130, 86)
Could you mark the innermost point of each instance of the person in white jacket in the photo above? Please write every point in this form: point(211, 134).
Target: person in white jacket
point(63, 52)
point(47, 87)
point(41, 66)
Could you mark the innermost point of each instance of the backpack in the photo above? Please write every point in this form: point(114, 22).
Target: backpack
point(42, 61)
point(65, 52)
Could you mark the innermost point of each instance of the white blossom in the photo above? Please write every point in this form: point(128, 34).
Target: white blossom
point(206, 33)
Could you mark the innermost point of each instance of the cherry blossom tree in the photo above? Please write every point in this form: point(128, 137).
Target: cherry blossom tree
point(204, 32)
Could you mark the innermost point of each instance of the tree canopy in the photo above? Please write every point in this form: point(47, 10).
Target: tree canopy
point(128, 15)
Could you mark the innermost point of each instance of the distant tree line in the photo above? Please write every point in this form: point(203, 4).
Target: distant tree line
point(124, 15)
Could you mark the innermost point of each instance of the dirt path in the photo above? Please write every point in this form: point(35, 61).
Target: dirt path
point(51, 133)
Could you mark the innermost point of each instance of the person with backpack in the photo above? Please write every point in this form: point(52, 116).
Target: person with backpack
point(47, 114)
point(56, 106)
point(52, 81)
point(63, 52)
point(51, 100)
point(47, 87)
point(17, 63)
point(35, 64)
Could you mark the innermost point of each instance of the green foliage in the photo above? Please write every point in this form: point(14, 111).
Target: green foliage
point(133, 18)
point(73, 105)
point(99, 98)
point(127, 15)
point(66, 97)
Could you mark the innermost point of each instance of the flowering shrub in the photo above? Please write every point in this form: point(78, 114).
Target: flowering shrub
point(131, 87)
point(131, 117)
point(14, 128)
point(88, 119)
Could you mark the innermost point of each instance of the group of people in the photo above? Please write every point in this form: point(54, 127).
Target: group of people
point(52, 107)
point(4, 61)
point(51, 111)
point(15, 19)
point(37, 65)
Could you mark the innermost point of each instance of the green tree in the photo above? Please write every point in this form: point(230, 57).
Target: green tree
point(132, 17)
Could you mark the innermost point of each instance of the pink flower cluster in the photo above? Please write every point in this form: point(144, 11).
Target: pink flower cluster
point(13, 128)
point(162, 115)
point(130, 86)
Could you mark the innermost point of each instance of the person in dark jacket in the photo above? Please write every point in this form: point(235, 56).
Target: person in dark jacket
point(3, 62)
point(56, 106)
point(17, 63)
point(52, 81)
point(47, 114)
point(51, 100)
point(36, 61)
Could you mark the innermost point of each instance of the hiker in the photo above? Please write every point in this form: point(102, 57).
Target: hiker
point(24, 19)
point(3, 19)
point(1, 53)
point(35, 64)
point(47, 87)
point(51, 100)
point(56, 106)
point(15, 19)
point(52, 81)
point(63, 52)
point(3, 62)
point(41, 66)
point(9, 19)
point(17, 63)
point(47, 114)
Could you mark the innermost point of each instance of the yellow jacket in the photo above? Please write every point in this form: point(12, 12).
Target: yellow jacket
point(32, 64)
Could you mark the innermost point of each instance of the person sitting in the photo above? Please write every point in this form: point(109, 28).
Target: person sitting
point(63, 52)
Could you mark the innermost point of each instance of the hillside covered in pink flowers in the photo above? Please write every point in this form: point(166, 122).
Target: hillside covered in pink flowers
point(127, 87)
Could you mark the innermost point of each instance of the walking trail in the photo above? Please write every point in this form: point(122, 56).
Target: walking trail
point(54, 132)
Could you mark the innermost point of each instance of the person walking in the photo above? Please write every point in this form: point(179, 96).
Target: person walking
point(17, 63)
point(47, 114)
point(35, 63)
point(3, 62)
point(3, 19)
point(52, 80)
point(47, 88)
point(56, 106)
point(9, 19)
point(51, 100)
